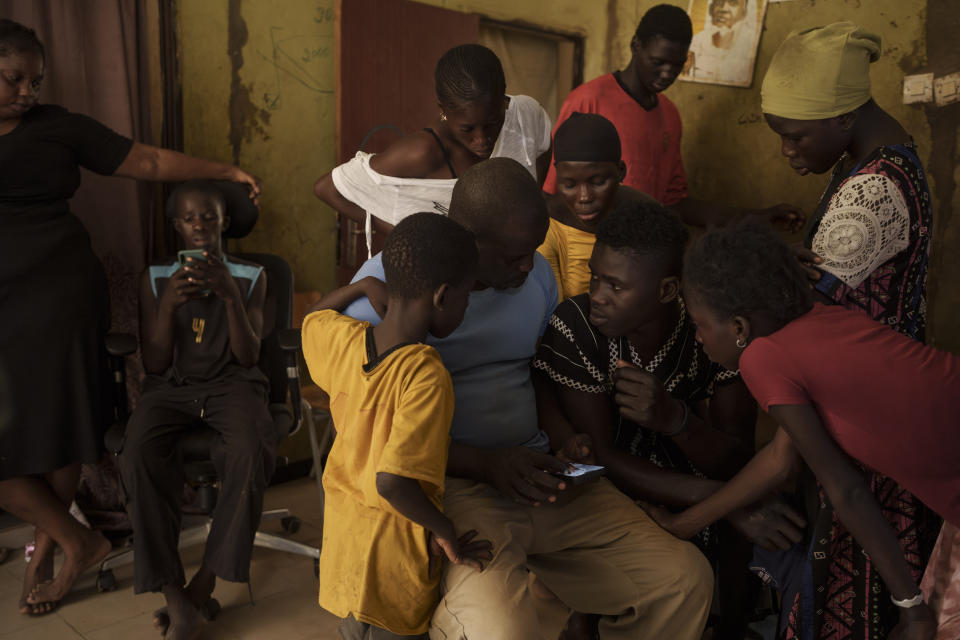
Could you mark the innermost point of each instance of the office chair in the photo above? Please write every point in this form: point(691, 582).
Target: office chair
point(278, 360)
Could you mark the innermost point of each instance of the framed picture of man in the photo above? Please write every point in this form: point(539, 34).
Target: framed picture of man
point(725, 38)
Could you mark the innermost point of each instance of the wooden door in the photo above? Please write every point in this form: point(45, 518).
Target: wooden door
point(386, 52)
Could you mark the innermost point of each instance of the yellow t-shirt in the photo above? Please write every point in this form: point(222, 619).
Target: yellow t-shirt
point(391, 414)
point(568, 250)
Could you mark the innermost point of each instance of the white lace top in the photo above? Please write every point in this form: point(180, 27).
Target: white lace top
point(866, 224)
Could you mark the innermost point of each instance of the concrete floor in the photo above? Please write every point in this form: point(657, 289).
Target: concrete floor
point(284, 587)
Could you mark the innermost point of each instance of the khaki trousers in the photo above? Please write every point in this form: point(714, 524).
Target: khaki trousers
point(597, 551)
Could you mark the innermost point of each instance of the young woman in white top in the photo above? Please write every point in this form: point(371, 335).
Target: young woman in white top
point(477, 121)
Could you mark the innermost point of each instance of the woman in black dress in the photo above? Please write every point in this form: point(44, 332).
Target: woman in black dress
point(53, 307)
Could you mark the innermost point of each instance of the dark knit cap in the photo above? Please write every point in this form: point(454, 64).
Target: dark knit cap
point(586, 137)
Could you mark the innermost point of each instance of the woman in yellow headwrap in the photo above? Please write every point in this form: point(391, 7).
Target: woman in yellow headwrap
point(866, 249)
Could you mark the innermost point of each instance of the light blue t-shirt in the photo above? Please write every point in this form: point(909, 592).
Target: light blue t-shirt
point(488, 357)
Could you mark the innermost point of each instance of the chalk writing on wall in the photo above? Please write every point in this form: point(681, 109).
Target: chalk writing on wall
point(303, 58)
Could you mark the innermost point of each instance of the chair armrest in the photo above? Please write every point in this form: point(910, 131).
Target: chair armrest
point(121, 344)
point(289, 339)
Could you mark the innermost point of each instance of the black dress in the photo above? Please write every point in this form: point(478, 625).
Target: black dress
point(54, 309)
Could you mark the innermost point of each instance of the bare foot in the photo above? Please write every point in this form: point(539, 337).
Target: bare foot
point(40, 569)
point(201, 586)
point(185, 621)
point(209, 610)
point(90, 550)
point(161, 620)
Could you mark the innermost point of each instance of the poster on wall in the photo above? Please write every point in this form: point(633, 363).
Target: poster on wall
point(725, 38)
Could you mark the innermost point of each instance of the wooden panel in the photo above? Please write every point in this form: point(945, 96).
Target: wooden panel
point(386, 52)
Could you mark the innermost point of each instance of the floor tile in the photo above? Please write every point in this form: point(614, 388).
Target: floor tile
point(50, 627)
point(284, 586)
point(141, 626)
point(293, 615)
point(86, 609)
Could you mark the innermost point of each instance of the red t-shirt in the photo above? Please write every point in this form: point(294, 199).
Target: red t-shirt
point(649, 140)
point(890, 402)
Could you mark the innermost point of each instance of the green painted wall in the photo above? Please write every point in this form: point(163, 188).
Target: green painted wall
point(257, 81)
point(731, 155)
point(270, 106)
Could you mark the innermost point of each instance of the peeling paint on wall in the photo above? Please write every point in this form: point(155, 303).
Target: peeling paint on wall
point(943, 57)
point(246, 120)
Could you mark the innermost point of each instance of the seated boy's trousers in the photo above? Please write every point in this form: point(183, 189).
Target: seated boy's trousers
point(597, 551)
point(153, 476)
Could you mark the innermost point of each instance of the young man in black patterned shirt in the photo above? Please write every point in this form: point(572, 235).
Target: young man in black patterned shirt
point(621, 381)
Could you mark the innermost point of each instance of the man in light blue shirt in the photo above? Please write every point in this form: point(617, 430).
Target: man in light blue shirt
point(489, 356)
point(589, 544)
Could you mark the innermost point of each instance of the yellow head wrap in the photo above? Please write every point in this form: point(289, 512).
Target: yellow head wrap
point(820, 73)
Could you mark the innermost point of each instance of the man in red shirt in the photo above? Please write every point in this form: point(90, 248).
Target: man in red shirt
point(649, 124)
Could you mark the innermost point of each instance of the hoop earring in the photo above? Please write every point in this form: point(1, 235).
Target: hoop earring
point(741, 340)
point(443, 117)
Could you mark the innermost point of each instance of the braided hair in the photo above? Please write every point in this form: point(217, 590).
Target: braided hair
point(16, 38)
point(745, 270)
point(469, 73)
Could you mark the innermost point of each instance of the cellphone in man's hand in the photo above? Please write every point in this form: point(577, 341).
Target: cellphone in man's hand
point(583, 473)
point(196, 254)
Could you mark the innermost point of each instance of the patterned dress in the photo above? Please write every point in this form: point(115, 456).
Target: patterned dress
point(575, 355)
point(872, 228)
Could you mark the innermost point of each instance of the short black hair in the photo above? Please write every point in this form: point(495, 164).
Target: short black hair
point(665, 21)
point(201, 187)
point(747, 269)
point(645, 228)
point(469, 73)
point(491, 195)
point(424, 251)
point(17, 38)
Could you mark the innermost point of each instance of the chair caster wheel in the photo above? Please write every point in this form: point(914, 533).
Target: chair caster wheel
point(106, 581)
point(316, 568)
point(290, 524)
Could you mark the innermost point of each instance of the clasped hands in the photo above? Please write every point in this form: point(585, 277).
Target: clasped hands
point(195, 278)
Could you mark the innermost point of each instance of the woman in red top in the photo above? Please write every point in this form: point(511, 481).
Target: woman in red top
point(846, 390)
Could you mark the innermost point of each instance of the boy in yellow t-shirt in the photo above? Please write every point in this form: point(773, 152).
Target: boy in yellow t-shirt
point(392, 402)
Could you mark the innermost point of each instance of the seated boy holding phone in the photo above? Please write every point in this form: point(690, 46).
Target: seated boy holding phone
point(392, 403)
point(201, 320)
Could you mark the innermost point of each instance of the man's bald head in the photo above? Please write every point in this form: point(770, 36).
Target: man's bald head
point(500, 202)
point(494, 195)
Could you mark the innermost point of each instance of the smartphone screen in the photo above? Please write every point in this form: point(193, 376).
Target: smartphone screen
point(579, 470)
point(196, 254)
